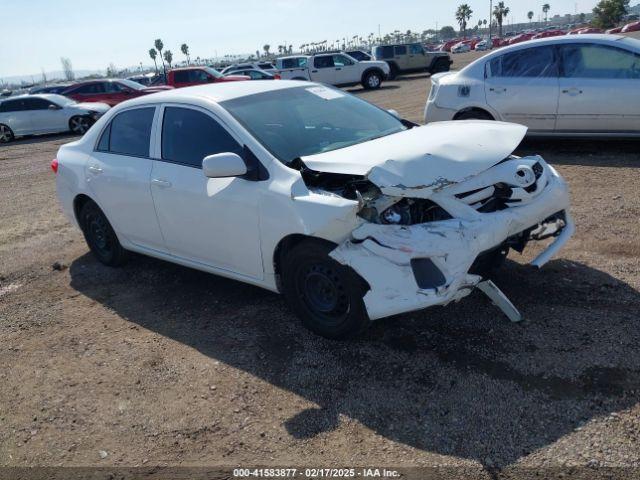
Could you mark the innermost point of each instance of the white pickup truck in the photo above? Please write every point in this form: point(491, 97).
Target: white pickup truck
point(334, 69)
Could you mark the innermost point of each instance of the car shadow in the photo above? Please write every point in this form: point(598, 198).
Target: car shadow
point(459, 380)
point(32, 139)
point(605, 152)
point(358, 90)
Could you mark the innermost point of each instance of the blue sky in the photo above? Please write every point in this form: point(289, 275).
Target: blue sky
point(93, 34)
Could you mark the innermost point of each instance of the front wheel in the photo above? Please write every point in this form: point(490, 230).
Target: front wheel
point(100, 237)
point(325, 295)
point(372, 81)
point(79, 124)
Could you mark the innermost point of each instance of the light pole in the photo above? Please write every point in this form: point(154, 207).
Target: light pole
point(490, 22)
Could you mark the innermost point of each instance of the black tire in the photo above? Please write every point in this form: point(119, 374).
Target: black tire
point(324, 294)
point(100, 237)
point(372, 81)
point(441, 65)
point(79, 124)
point(393, 71)
point(474, 115)
point(6, 134)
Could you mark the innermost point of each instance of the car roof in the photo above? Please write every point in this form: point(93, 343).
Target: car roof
point(217, 92)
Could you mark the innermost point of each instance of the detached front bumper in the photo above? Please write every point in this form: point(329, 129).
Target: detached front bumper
point(417, 266)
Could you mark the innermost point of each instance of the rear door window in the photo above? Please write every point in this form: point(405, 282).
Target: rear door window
point(129, 133)
point(12, 106)
point(189, 135)
point(181, 76)
point(36, 104)
point(400, 50)
point(529, 62)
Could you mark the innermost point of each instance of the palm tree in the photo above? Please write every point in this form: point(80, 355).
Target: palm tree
point(159, 46)
point(184, 48)
point(530, 16)
point(153, 54)
point(266, 48)
point(500, 12)
point(168, 56)
point(545, 8)
point(463, 14)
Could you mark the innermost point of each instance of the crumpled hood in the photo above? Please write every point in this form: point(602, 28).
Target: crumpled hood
point(425, 158)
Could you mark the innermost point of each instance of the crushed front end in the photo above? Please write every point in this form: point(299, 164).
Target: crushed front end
point(420, 244)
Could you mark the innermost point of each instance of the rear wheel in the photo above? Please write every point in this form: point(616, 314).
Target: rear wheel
point(6, 134)
point(473, 115)
point(100, 237)
point(326, 295)
point(441, 65)
point(79, 124)
point(372, 81)
point(393, 71)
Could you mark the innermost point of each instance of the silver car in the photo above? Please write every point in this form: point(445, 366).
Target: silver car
point(46, 113)
point(574, 85)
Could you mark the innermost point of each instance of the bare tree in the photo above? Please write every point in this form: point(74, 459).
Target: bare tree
point(67, 68)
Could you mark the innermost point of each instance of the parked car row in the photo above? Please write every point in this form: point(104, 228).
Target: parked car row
point(459, 45)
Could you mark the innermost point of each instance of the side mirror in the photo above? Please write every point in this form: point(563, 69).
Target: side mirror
point(395, 114)
point(223, 165)
point(53, 107)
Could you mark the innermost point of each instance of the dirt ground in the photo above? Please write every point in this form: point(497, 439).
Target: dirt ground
point(156, 364)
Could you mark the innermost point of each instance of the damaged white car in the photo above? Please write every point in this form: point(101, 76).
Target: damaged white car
point(350, 212)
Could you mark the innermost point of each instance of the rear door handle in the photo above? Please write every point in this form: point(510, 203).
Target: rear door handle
point(572, 91)
point(498, 89)
point(160, 183)
point(95, 169)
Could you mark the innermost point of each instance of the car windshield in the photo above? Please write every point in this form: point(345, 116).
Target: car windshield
point(213, 72)
point(131, 84)
point(301, 121)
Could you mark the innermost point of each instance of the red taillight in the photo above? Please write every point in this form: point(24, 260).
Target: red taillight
point(54, 165)
point(277, 77)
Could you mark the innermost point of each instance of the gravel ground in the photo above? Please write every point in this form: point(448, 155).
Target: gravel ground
point(156, 364)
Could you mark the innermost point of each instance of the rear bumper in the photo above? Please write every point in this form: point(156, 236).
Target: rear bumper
point(434, 113)
point(385, 255)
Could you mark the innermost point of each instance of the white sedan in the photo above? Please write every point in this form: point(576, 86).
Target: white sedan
point(568, 85)
point(46, 113)
point(461, 48)
point(300, 188)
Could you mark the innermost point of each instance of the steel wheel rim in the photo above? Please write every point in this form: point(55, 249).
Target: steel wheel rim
point(322, 291)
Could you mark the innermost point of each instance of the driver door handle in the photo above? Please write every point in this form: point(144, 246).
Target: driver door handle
point(572, 91)
point(498, 89)
point(95, 169)
point(160, 183)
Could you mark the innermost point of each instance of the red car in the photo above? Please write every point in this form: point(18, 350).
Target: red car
point(188, 76)
point(523, 37)
point(631, 27)
point(590, 30)
point(549, 33)
point(109, 91)
point(446, 46)
point(614, 30)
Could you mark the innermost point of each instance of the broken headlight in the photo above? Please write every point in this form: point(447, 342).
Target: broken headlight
point(406, 211)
